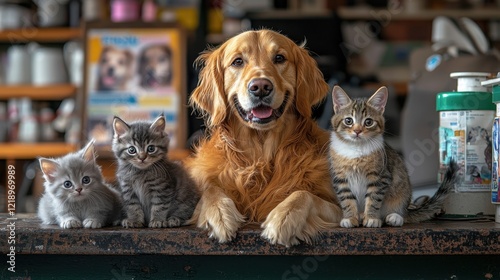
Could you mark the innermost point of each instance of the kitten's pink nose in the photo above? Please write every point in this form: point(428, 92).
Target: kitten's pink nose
point(358, 131)
point(79, 190)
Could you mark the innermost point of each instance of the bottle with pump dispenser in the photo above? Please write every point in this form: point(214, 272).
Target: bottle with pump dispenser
point(465, 125)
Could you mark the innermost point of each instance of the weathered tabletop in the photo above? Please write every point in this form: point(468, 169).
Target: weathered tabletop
point(428, 238)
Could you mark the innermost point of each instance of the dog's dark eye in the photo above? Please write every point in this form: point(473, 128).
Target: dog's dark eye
point(279, 58)
point(348, 121)
point(237, 62)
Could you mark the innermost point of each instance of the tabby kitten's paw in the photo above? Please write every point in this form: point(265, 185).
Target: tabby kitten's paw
point(349, 223)
point(71, 223)
point(173, 222)
point(394, 220)
point(374, 223)
point(127, 223)
point(90, 223)
point(157, 224)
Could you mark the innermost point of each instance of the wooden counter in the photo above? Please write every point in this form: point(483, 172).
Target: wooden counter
point(431, 250)
point(429, 238)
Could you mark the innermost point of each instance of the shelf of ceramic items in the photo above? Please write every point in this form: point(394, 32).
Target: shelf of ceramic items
point(38, 34)
point(349, 13)
point(51, 92)
point(17, 151)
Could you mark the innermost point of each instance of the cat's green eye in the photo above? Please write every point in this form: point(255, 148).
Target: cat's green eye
point(67, 184)
point(348, 121)
point(86, 180)
point(369, 122)
point(151, 149)
point(131, 150)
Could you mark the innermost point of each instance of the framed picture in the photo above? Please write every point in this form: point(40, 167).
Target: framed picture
point(135, 71)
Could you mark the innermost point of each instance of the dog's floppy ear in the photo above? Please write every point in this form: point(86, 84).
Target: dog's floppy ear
point(311, 85)
point(209, 94)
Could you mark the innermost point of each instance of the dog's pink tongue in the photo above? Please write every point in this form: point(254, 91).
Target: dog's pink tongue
point(108, 81)
point(262, 112)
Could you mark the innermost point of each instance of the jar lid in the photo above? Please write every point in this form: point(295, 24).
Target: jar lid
point(471, 100)
point(495, 84)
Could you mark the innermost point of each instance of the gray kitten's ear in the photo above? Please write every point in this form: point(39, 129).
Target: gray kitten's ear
point(340, 98)
point(49, 168)
point(158, 125)
point(88, 152)
point(119, 126)
point(379, 99)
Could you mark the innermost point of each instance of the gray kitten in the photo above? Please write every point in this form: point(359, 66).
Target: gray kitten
point(75, 192)
point(156, 191)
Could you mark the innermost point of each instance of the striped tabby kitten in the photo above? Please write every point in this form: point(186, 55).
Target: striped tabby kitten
point(76, 194)
point(370, 177)
point(156, 191)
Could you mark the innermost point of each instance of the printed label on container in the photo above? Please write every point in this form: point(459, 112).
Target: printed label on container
point(465, 136)
point(495, 197)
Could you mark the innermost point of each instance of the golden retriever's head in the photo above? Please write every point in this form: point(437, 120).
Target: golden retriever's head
point(258, 76)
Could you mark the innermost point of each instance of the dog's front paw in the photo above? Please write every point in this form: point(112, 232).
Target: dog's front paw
point(281, 229)
point(222, 220)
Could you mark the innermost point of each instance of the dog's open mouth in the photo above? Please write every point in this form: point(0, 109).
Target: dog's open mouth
point(261, 113)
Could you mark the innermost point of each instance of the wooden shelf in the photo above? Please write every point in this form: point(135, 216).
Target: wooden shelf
point(15, 151)
point(427, 238)
point(30, 34)
point(53, 92)
point(349, 13)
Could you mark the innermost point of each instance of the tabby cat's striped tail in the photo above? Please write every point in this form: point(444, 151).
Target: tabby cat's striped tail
point(428, 209)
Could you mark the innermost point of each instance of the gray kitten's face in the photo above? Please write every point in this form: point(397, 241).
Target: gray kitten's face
point(141, 154)
point(70, 178)
point(74, 180)
point(140, 143)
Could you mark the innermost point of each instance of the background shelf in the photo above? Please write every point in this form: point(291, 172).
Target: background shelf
point(15, 151)
point(30, 34)
point(53, 92)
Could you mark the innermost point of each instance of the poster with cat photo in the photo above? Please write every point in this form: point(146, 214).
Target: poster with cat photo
point(137, 72)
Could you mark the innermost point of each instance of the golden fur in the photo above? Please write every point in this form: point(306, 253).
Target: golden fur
point(275, 173)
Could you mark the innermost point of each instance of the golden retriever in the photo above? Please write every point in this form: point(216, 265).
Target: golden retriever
point(266, 159)
point(115, 69)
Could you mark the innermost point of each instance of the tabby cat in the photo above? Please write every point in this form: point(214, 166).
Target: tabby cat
point(369, 177)
point(76, 194)
point(156, 191)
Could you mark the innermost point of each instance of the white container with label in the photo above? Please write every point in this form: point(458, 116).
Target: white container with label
point(465, 125)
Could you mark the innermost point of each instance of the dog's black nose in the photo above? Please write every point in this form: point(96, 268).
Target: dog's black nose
point(260, 87)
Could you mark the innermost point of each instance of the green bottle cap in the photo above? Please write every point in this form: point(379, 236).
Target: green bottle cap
point(469, 100)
